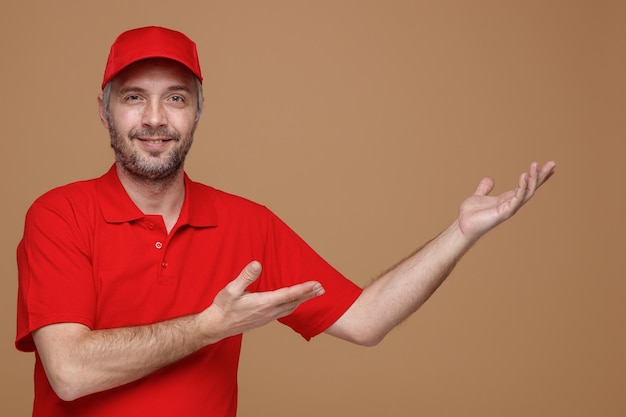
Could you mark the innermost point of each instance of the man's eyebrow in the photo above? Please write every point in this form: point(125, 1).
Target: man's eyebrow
point(180, 88)
point(131, 89)
point(134, 89)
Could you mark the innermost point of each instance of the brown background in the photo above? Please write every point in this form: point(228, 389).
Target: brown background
point(363, 124)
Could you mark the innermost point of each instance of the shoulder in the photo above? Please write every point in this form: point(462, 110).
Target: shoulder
point(76, 193)
point(72, 204)
point(224, 202)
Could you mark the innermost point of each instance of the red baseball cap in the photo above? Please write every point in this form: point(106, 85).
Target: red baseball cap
point(151, 42)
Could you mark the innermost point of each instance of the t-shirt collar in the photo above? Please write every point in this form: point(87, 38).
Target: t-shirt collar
point(117, 207)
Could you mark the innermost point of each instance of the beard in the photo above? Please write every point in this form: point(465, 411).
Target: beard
point(155, 166)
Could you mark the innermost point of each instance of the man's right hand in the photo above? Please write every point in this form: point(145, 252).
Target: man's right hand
point(235, 310)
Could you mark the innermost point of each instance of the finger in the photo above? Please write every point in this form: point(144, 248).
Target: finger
point(547, 170)
point(537, 177)
point(532, 179)
point(520, 192)
point(248, 275)
point(298, 293)
point(485, 186)
point(533, 175)
point(279, 303)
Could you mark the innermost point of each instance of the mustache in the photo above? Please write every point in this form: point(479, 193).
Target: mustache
point(158, 132)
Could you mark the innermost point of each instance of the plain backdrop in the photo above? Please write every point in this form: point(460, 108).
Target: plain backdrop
point(364, 124)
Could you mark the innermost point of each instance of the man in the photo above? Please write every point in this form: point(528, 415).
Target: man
point(135, 287)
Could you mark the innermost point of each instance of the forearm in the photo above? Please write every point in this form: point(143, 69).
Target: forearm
point(80, 361)
point(400, 291)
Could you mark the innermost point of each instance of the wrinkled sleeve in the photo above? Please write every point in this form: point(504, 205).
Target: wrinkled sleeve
point(289, 260)
point(55, 280)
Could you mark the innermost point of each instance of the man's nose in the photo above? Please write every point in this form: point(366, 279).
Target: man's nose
point(154, 114)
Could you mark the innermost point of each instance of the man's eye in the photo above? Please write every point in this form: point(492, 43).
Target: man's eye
point(177, 99)
point(132, 97)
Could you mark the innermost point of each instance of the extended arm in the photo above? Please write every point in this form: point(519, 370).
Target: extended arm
point(80, 361)
point(404, 288)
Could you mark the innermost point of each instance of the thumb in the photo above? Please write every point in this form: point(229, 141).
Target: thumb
point(248, 275)
point(485, 186)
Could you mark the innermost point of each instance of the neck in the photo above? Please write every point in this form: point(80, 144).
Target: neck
point(164, 197)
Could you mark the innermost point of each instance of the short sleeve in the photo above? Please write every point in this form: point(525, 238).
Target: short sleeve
point(290, 260)
point(54, 270)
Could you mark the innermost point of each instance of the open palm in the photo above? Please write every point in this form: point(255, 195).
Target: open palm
point(481, 212)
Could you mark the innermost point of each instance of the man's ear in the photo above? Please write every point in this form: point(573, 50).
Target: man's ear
point(102, 112)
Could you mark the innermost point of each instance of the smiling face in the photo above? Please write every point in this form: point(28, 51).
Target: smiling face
point(151, 116)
